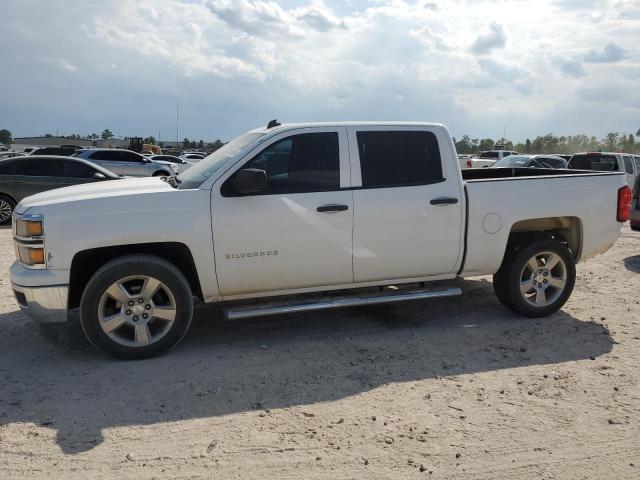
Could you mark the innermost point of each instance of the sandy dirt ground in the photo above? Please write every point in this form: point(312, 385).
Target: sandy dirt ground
point(456, 388)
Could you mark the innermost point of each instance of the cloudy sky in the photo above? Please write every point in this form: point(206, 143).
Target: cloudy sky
point(532, 66)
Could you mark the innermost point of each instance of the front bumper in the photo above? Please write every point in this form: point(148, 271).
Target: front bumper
point(43, 304)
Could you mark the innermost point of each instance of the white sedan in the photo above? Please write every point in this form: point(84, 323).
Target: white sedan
point(179, 162)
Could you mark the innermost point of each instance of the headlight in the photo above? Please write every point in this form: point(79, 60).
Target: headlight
point(29, 228)
point(30, 255)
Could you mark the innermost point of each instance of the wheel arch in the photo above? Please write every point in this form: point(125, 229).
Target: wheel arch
point(567, 230)
point(85, 263)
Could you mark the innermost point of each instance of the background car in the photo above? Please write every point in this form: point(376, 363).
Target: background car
point(531, 161)
point(606, 162)
point(126, 162)
point(10, 154)
point(192, 157)
point(62, 150)
point(181, 163)
point(21, 177)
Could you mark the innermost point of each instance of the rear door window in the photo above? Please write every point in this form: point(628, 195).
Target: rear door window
point(69, 168)
point(132, 157)
point(602, 163)
point(398, 158)
point(36, 167)
point(6, 168)
point(628, 164)
point(106, 156)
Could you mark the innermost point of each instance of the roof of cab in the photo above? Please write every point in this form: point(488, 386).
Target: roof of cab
point(291, 126)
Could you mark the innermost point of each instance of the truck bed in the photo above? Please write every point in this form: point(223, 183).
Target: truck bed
point(502, 200)
point(472, 174)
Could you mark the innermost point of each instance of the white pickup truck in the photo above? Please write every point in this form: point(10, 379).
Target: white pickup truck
point(302, 217)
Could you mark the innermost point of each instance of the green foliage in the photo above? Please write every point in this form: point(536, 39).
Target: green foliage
point(5, 136)
point(106, 133)
point(549, 143)
point(150, 140)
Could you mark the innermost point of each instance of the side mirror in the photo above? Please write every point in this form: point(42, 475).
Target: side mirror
point(248, 181)
point(99, 176)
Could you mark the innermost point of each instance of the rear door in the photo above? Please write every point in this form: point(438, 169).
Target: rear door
point(136, 165)
point(109, 159)
point(408, 210)
point(298, 233)
point(74, 173)
point(34, 175)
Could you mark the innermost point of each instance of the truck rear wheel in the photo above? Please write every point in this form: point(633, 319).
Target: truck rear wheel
point(536, 280)
point(136, 306)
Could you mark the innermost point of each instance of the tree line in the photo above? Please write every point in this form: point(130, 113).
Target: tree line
point(612, 142)
point(6, 138)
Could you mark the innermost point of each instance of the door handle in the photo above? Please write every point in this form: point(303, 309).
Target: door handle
point(332, 208)
point(444, 201)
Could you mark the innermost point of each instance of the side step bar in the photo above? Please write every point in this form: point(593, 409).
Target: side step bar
point(265, 310)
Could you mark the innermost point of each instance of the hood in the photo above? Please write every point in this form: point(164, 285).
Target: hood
point(109, 188)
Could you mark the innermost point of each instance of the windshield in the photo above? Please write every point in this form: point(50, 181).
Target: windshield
point(606, 163)
point(512, 161)
point(204, 169)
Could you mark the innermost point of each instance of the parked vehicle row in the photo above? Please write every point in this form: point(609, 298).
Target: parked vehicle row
point(127, 162)
point(180, 163)
point(484, 159)
point(531, 161)
point(305, 214)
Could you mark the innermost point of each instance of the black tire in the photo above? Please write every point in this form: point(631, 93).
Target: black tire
point(130, 266)
point(161, 173)
point(508, 280)
point(4, 202)
point(500, 289)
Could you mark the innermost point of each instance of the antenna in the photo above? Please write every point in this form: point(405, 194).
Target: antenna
point(273, 123)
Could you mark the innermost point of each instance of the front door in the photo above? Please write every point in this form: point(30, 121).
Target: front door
point(297, 233)
point(408, 218)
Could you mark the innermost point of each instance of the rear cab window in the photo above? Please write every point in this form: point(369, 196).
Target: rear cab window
point(595, 161)
point(398, 158)
point(628, 164)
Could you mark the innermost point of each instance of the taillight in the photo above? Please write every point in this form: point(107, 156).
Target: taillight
point(469, 164)
point(624, 203)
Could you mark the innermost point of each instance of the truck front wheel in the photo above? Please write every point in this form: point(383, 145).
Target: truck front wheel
point(537, 279)
point(136, 306)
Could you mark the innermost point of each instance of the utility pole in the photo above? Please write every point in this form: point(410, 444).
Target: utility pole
point(177, 123)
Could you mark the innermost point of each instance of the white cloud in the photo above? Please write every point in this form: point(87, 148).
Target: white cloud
point(234, 63)
point(611, 53)
point(494, 38)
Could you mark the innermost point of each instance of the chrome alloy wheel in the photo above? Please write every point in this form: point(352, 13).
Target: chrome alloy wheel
point(543, 279)
point(137, 311)
point(5, 210)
